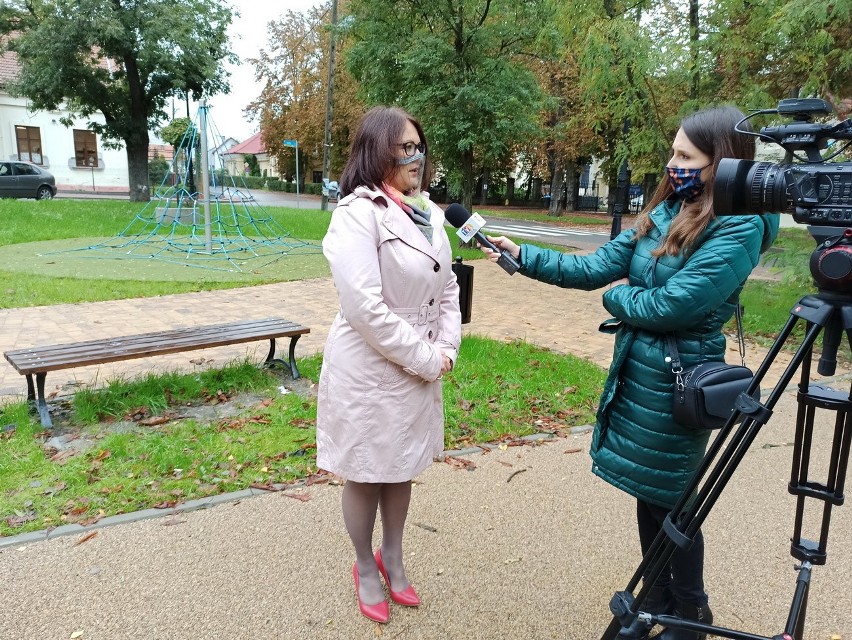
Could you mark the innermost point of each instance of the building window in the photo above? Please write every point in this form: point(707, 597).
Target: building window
point(29, 143)
point(85, 148)
point(317, 176)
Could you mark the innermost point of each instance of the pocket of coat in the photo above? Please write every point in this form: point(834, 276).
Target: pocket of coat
point(393, 373)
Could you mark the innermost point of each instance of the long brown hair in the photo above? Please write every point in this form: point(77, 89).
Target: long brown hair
point(712, 132)
point(373, 155)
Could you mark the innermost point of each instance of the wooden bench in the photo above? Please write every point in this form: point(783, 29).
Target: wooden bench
point(39, 360)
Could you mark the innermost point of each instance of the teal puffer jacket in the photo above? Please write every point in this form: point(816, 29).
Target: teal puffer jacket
point(637, 446)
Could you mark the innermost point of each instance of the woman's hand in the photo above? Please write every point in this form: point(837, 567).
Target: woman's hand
point(503, 243)
point(446, 363)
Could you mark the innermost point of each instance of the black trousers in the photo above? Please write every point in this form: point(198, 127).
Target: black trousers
point(684, 576)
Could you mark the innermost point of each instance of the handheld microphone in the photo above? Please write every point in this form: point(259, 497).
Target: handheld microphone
point(469, 228)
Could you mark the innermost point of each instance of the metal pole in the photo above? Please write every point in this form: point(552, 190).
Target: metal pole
point(205, 175)
point(298, 205)
point(326, 147)
point(622, 190)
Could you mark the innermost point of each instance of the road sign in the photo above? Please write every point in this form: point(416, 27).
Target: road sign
point(291, 143)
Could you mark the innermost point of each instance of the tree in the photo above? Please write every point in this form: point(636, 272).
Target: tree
point(457, 66)
point(772, 49)
point(292, 104)
point(121, 58)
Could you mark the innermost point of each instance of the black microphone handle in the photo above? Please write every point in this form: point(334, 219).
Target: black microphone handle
point(485, 242)
point(506, 260)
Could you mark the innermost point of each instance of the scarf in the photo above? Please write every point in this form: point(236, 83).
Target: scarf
point(416, 206)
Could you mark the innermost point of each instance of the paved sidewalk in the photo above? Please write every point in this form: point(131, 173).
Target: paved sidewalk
point(529, 544)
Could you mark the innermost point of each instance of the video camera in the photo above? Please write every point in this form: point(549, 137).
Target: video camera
point(815, 191)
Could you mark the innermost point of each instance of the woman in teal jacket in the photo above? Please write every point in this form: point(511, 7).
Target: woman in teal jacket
point(679, 272)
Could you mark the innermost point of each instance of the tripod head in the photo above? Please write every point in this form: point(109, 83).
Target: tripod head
point(831, 269)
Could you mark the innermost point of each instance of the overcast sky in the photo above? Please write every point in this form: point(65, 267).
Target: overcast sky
point(248, 36)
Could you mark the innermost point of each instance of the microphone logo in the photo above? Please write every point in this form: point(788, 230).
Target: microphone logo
point(471, 227)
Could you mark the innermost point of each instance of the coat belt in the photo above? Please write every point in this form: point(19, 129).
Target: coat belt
point(418, 315)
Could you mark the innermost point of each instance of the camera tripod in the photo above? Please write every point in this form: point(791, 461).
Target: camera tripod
point(829, 313)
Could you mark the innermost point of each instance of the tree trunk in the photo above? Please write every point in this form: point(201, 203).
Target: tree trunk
point(468, 181)
point(695, 54)
point(137, 169)
point(572, 186)
point(555, 208)
point(137, 139)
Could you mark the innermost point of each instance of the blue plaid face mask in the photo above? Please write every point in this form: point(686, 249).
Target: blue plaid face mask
point(686, 183)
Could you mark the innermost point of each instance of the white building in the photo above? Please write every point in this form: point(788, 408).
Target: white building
point(75, 155)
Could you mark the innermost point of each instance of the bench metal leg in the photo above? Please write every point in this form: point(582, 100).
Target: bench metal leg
point(271, 360)
point(37, 400)
point(293, 368)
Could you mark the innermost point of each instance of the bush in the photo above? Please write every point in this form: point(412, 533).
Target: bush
point(157, 170)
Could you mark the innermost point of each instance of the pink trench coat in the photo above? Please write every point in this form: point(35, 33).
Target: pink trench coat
point(380, 415)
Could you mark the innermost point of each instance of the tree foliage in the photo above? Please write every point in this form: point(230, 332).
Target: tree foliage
point(292, 104)
point(459, 66)
point(766, 50)
point(122, 58)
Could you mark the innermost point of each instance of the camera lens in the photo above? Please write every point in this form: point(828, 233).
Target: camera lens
point(746, 187)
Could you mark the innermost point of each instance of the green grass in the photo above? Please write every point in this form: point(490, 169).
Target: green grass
point(41, 262)
point(135, 461)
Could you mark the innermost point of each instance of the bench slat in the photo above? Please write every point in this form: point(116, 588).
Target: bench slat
point(62, 356)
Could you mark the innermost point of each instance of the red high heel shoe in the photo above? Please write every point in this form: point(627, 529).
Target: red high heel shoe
point(379, 612)
point(407, 597)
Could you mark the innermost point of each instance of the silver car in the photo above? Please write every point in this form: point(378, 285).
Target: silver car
point(20, 179)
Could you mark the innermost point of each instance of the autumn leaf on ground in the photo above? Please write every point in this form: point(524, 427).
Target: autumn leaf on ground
point(86, 538)
point(20, 518)
point(62, 457)
point(304, 497)
point(153, 421)
point(263, 487)
point(460, 463)
point(573, 450)
point(137, 414)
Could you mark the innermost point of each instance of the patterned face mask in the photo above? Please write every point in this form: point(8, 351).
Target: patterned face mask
point(686, 183)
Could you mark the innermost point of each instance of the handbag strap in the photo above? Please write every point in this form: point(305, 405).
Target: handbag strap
point(674, 355)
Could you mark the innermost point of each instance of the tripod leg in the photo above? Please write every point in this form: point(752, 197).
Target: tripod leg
point(796, 620)
point(709, 481)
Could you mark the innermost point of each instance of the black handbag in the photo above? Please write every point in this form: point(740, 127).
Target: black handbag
point(704, 394)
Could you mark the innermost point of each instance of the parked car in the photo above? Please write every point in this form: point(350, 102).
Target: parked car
point(19, 179)
point(330, 190)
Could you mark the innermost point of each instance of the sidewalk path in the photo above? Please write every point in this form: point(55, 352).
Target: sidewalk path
point(496, 554)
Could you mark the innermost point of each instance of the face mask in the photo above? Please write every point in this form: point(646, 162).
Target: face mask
point(410, 159)
point(421, 169)
point(686, 183)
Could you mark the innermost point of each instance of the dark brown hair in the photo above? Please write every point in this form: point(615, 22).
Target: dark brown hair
point(712, 132)
point(374, 151)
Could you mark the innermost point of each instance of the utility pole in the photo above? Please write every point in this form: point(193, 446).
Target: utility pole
point(326, 147)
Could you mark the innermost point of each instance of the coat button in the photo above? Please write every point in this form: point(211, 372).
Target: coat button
point(431, 302)
point(430, 334)
point(437, 268)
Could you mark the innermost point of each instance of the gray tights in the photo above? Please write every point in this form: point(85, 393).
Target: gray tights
point(361, 501)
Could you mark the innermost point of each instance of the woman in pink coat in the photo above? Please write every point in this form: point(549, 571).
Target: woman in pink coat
point(380, 417)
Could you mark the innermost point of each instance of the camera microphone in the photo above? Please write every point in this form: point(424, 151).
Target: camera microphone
point(468, 227)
